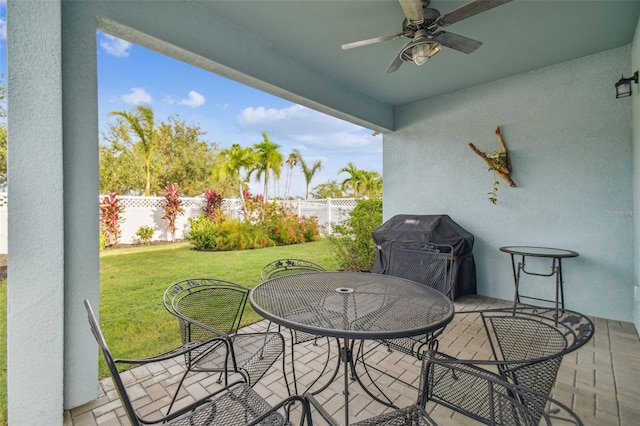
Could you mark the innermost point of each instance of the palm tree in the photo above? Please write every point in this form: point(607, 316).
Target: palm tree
point(269, 161)
point(308, 171)
point(230, 163)
point(291, 162)
point(355, 181)
point(372, 184)
point(142, 124)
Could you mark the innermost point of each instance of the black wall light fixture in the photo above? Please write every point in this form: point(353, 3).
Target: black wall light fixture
point(623, 86)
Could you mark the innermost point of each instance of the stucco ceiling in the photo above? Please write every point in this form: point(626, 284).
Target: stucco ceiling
point(517, 37)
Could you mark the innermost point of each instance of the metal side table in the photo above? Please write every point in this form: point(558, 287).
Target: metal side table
point(555, 254)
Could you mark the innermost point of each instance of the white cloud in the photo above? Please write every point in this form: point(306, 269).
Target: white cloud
point(114, 46)
point(311, 128)
point(3, 29)
point(137, 96)
point(169, 100)
point(194, 100)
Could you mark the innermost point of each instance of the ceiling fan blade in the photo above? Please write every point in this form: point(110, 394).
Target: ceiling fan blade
point(412, 10)
point(395, 64)
point(467, 10)
point(456, 42)
point(369, 41)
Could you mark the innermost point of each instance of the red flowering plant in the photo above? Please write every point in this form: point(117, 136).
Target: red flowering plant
point(254, 208)
point(172, 208)
point(285, 227)
point(110, 219)
point(213, 205)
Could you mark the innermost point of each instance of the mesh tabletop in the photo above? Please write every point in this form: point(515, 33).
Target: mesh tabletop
point(352, 305)
point(539, 251)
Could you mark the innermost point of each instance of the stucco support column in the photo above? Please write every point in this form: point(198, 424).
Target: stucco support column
point(51, 360)
point(81, 188)
point(35, 290)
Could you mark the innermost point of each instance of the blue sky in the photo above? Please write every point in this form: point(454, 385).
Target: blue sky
point(130, 75)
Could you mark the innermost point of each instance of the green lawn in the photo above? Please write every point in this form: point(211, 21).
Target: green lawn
point(132, 282)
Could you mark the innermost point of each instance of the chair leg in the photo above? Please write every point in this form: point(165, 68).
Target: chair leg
point(175, 395)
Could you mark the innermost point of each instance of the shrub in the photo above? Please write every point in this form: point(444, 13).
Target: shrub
point(172, 208)
point(355, 248)
point(213, 204)
point(265, 224)
point(285, 227)
point(310, 228)
point(237, 235)
point(202, 233)
point(110, 210)
point(102, 241)
point(144, 234)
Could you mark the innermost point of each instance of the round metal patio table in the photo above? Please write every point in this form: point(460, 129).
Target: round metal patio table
point(352, 306)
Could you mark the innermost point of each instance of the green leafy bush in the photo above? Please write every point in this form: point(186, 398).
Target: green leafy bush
point(202, 233)
point(265, 225)
point(282, 224)
point(355, 248)
point(144, 234)
point(102, 241)
point(310, 228)
point(292, 229)
point(237, 235)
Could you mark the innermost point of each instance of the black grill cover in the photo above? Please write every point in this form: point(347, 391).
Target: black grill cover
point(440, 229)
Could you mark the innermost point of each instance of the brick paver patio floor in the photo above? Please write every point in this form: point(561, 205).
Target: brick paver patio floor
point(600, 381)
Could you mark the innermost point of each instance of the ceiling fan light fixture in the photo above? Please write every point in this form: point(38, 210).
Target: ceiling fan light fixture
point(423, 51)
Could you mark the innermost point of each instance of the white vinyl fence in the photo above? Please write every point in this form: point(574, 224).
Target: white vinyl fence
point(147, 211)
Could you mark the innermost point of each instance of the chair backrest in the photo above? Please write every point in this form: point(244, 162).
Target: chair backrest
point(427, 263)
point(117, 380)
point(281, 267)
point(214, 303)
point(485, 396)
point(529, 342)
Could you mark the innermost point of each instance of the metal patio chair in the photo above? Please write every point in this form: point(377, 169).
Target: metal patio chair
point(427, 263)
point(290, 266)
point(210, 310)
point(280, 267)
point(235, 404)
point(430, 264)
point(527, 343)
point(472, 391)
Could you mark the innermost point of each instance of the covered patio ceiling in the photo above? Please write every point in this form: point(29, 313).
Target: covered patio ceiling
point(517, 37)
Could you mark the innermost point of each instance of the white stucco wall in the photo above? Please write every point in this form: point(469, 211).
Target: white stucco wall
point(571, 148)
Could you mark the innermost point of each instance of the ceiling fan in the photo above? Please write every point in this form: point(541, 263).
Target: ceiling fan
point(422, 24)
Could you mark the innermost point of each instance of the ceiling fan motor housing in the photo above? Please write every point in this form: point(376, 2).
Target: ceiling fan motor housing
point(429, 23)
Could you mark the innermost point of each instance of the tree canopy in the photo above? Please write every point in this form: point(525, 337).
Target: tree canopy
point(139, 156)
point(308, 171)
point(141, 123)
point(269, 161)
point(178, 155)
